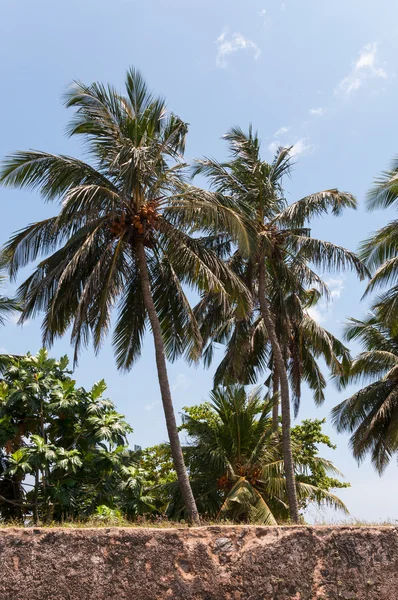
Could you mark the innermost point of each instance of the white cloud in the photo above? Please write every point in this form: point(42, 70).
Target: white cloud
point(336, 286)
point(273, 146)
point(320, 311)
point(182, 383)
point(348, 85)
point(317, 313)
point(319, 112)
point(151, 405)
point(263, 15)
point(363, 69)
point(281, 139)
point(367, 60)
point(281, 131)
point(283, 7)
point(236, 42)
point(299, 146)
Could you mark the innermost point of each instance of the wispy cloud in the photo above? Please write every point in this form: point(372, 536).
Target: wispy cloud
point(366, 67)
point(263, 14)
point(182, 383)
point(151, 405)
point(284, 138)
point(274, 145)
point(320, 311)
point(319, 112)
point(299, 146)
point(234, 43)
point(336, 287)
point(281, 131)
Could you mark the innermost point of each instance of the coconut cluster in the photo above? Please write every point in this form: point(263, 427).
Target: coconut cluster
point(147, 216)
point(252, 474)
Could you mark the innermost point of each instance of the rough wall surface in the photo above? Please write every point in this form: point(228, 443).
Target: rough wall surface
point(212, 563)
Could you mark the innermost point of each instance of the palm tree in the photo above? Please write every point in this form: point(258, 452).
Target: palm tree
point(8, 306)
point(236, 463)
point(122, 236)
point(371, 414)
point(282, 249)
point(380, 250)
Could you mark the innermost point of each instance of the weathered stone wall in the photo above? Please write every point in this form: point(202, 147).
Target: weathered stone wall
point(212, 563)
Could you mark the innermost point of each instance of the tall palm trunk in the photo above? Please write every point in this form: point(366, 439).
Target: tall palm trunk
point(284, 391)
point(36, 498)
point(176, 451)
point(46, 470)
point(275, 407)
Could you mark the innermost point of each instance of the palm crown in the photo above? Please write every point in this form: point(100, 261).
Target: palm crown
point(370, 414)
point(133, 189)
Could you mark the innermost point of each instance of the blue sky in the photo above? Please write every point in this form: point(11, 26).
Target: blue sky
point(318, 75)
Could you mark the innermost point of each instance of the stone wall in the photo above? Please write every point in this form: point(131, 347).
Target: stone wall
point(212, 563)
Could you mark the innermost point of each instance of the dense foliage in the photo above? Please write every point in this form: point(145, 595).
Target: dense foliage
point(63, 450)
point(64, 454)
point(235, 461)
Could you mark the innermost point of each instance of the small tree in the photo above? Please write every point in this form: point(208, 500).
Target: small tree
point(71, 441)
point(236, 462)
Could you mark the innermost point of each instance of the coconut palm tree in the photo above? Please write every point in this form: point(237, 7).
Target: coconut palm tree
point(121, 237)
point(8, 306)
point(283, 248)
point(371, 414)
point(236, 463)
point(379, 251)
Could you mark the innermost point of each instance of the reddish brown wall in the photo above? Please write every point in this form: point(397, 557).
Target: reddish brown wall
point(228, 563)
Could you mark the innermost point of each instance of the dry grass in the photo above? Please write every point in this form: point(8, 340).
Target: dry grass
point(162, 523)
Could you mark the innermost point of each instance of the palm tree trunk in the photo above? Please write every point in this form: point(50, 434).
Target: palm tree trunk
point(275, 408)
point(46, 470)
point(35, 498)
point(175, 446)
point(284, 391)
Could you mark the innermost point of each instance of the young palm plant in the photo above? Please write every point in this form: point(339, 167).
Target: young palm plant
point(283, 248)
point(371, 414)
point(122, 236)
point(236, 463)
